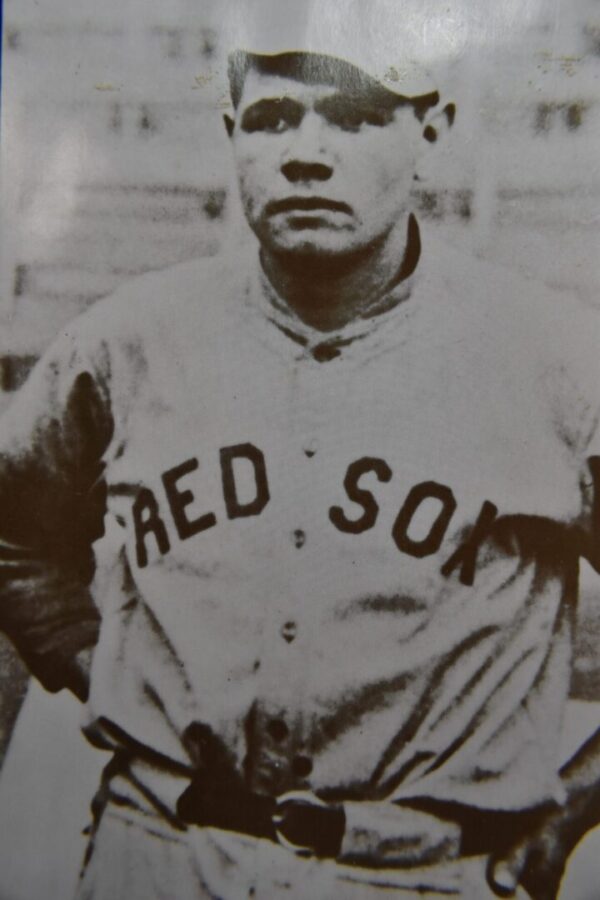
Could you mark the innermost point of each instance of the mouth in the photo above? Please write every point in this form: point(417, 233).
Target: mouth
point(306, 204)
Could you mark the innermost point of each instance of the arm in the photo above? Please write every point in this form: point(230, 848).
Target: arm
point(369, 834)
point(50, 618)
point(538, 860)
point(52, 500)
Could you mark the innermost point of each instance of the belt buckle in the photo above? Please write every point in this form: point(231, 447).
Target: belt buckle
point(306, 798)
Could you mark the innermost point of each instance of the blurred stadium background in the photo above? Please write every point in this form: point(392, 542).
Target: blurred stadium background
point(114, 162)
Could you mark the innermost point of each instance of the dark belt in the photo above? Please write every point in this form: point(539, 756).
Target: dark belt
point(297, 820)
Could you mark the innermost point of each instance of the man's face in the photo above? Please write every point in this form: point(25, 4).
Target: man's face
point(322, 172)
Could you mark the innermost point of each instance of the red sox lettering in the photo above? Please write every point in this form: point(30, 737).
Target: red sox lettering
point(149, 519)
point(146, 513)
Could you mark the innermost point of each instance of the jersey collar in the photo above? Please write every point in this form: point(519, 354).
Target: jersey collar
point(326, 347)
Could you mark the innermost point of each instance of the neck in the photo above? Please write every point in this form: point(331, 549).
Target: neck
point(327, 293)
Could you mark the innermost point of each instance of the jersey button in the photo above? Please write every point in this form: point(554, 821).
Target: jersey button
point(299, 538)
point(325, 352)
point(288, 631)
point(311, 447)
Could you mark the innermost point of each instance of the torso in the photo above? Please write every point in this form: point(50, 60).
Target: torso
point(281, 600)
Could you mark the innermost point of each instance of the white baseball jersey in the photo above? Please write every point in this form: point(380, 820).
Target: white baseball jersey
point(350, 555)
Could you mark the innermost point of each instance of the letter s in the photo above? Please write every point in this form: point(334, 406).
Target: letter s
point(359, 495)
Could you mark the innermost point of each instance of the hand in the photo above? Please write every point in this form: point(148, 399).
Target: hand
point(398, 835)
point(217, 802)
point(537, 861)
point(307, 824)
point(80, 674)
point(217, 796)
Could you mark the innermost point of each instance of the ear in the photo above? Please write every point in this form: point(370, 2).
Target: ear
point(438, 123)
point(229, 124)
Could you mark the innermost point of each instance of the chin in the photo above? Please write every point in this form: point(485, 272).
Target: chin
point(308, 243)
point(311, 259)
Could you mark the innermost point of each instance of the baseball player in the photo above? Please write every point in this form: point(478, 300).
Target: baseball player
point(317, 506)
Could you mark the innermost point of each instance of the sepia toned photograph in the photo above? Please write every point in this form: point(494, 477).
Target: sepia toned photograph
point(300, 450)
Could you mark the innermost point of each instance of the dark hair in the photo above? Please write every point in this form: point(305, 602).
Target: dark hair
point(317, 68)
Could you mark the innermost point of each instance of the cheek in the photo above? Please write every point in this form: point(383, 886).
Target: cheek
point(398, 181)
point(395, 176)
point(251, 182)
point(389, 188)
point(387, 165)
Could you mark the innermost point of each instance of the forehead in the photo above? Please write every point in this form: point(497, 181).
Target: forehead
point(262, 86)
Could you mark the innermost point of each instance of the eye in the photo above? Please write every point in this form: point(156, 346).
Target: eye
point(270, 121)
point(272, 116)
point(350, 115)
point(347, 120)
point(276, 125)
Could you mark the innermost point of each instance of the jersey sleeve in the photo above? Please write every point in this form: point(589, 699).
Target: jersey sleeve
point(573, 384)
point(52, 501)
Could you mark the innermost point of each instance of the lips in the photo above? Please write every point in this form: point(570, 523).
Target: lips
point(306, 204)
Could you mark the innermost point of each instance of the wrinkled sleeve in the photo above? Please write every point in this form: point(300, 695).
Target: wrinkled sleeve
point(52, 501)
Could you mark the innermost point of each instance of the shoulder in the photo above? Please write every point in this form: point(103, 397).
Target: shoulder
point(508, 309)
point(161, 299)
point(534, 340)
point(160, 311)
point(524, 337)
point(147, 323)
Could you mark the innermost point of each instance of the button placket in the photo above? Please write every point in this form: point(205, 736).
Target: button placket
point(310, 424)
point(312, 413)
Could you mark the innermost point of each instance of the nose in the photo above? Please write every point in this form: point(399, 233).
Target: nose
point(297, 171)
point(307, 157)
